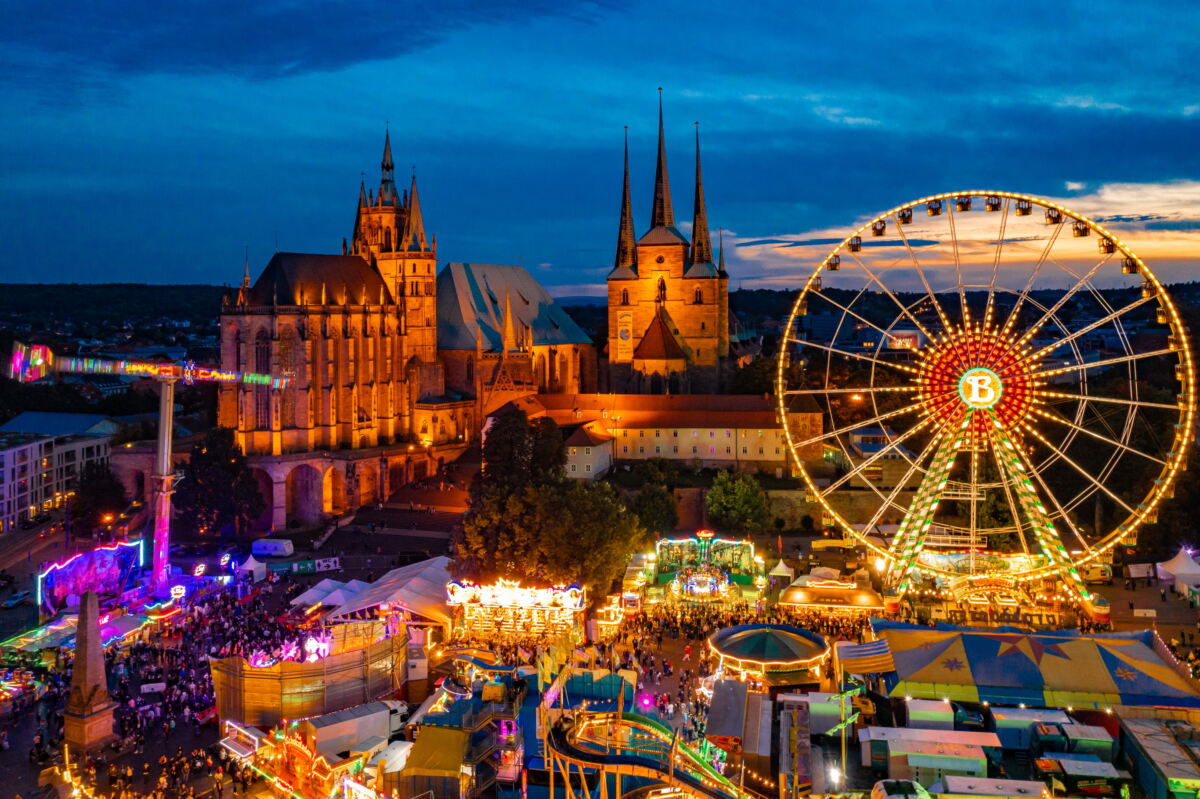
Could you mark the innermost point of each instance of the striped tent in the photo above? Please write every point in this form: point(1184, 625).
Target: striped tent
point(1060, 669)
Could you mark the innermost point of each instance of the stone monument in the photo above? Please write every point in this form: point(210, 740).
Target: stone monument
point(88, 719)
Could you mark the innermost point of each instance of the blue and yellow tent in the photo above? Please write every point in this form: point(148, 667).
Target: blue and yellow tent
point(1039, 669)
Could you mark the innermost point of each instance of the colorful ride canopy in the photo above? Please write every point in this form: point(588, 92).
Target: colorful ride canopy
point(1054, 669)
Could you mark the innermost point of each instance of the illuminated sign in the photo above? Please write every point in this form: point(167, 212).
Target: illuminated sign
point(199, 570)
point(980, 387)
point(178, 592)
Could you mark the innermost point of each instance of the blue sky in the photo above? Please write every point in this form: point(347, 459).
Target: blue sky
point(152, 142)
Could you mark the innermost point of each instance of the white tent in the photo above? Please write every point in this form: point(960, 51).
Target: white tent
point(354, 587)
point(258, 571)
point(318, 592)
point(335, 598)
point(781, 569)
point(420, 588)
point(1181, 568)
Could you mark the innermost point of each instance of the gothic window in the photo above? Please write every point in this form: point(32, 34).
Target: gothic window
point(288, 347)
point(662, 290)
point(624, 296)
point(470, 371)
point(239, 358)
point(387, 239)
point(699, 297)
point(262, 394)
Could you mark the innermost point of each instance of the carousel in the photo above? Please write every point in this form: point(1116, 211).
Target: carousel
point(770, 656)
point(704, 568)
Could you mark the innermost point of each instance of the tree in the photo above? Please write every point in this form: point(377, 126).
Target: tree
point(218, 491)
point(655, 508)
point(737, 502)
point(98, 494)
point(507, 451)
point(548, 456)
point(549, 533)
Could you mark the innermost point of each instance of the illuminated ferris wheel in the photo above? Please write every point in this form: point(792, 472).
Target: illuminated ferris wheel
point(1007, 390)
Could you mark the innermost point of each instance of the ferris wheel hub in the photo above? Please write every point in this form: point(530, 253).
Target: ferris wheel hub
point(980, 388)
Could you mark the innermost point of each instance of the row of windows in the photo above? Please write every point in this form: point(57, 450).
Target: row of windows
point(695, 433)
point(586, 450)
point(587, 467)
point(696, 450)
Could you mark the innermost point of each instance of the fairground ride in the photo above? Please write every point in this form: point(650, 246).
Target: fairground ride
point(1004, 379)
point(33, 362)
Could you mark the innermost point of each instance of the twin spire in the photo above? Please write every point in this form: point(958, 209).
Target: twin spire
point(662, 217)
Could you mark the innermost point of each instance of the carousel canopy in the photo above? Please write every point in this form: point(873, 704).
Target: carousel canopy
point(775, 647)
point(1043, 670)
point(420, 588)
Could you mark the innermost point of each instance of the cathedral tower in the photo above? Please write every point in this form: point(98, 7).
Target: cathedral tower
point(389, 232)
point(668, 303)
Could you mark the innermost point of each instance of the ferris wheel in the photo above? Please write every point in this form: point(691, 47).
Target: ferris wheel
point(1007, 392)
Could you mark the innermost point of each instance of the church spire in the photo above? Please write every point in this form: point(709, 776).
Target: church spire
point(701, 242)
point(626, 247)
point(387, 182)
point(414, 225)
point(243, 295)
point(663, 214)
point(721, 263)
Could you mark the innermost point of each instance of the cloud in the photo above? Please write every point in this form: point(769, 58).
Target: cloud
point(256, 40)
point(1075, 185)
point(1159, 221)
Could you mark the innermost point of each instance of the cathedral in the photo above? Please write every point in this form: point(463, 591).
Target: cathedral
point(374, 400)
point(669, 329)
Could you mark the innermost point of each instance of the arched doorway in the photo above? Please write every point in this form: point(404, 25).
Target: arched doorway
point(304, 494)
point(333, 491)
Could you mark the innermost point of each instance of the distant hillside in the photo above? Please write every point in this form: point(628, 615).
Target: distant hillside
point(95, 302)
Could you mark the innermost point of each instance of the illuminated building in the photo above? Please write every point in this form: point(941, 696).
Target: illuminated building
point(39, 472)
point(669, 327)
point(739, 431)
point(390, 363)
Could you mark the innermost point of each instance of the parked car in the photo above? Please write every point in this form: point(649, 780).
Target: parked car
point(19, 598)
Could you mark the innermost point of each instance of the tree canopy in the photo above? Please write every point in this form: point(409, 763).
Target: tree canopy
point(528, 522)
point(737, 503)
point(217, 494)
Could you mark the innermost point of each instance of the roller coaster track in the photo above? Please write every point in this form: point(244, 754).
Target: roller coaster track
point(647, 750)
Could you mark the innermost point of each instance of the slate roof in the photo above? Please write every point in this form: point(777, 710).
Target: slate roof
point(296, 278)
point(471, 297)
point(47, 423)
point(659, 342)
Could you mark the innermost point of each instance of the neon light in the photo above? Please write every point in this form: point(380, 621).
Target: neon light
point(199, 569)
point(64, 564)
point(225, 560)
point(178, 592)
point(510, 594)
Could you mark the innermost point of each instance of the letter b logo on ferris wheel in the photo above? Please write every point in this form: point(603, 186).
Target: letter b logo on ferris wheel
point(980, 387)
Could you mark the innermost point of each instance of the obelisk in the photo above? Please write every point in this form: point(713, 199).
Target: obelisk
point(88, 719)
